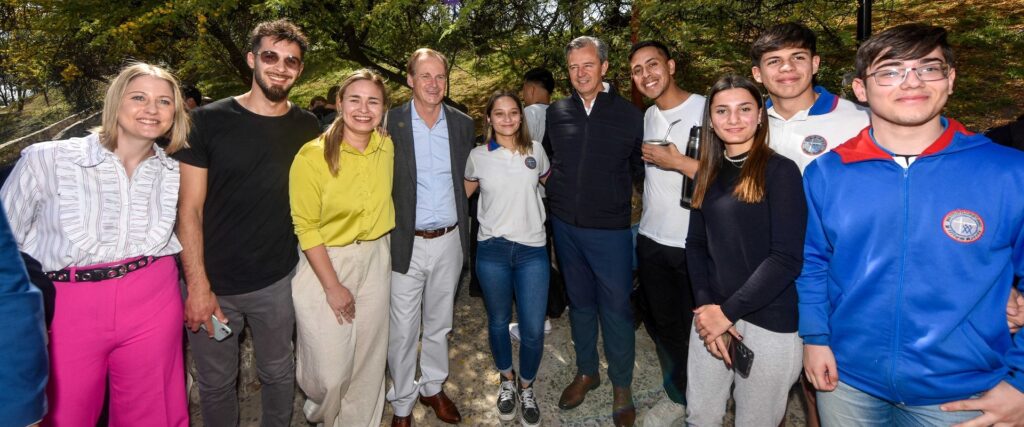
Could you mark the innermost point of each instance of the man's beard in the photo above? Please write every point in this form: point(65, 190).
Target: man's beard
point(272, 93)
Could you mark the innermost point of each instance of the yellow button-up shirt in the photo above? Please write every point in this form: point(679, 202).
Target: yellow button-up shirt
point(338, 210)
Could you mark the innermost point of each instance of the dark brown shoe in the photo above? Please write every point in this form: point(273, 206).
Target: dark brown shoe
point(443, 407)
point(576, 391)
point(623, 411)
point(405, 421)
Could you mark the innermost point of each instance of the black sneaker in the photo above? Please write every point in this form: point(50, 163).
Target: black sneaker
point(507, 397)
point(529, 412)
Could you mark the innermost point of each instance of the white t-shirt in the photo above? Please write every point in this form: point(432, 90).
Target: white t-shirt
point(510, 201)
point(817, 130)
point(536, 115)
point(664, 220)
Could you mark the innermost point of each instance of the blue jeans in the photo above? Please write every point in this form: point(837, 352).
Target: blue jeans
point(597, 265)
point(508, 269)
point(847, 406)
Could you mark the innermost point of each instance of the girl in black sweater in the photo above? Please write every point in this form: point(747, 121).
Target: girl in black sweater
point(744, 250)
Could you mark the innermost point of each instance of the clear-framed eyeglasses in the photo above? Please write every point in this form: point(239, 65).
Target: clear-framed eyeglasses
point(892, 76)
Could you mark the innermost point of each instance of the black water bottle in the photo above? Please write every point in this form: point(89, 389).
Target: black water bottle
point(693, 152)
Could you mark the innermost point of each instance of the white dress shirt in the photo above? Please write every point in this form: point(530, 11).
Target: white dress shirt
point(71, 203)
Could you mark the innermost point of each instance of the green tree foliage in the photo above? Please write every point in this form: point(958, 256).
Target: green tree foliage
point(77, 45)
point(22, 54)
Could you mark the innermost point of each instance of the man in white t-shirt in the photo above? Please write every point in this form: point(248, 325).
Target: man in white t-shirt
point(661, 252)
point(805, 121)
point(538, 84)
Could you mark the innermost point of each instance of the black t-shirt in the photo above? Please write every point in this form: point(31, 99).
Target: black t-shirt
point(745, 256)
point(248, 238)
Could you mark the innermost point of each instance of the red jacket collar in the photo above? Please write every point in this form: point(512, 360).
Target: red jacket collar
point(862, 147)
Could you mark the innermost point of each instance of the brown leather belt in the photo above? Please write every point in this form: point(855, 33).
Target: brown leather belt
point(431, 234)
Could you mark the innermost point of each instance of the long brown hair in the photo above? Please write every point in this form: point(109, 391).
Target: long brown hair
point(333, 135)
point(523, 144)
point(751, 183)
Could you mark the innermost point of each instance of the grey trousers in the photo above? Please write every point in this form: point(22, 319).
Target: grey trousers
point(271, 315)
point(425, 293)
point(760, 398)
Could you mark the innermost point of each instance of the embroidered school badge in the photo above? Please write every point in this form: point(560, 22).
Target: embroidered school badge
point(963, 226)
point(531, 162)
point(814, 145)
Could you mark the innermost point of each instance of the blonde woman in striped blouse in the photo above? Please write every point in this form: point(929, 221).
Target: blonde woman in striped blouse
point(98, 213)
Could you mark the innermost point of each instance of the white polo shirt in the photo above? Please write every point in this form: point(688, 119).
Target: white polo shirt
point(664, 220)
point(817, 130)
point(510, 201)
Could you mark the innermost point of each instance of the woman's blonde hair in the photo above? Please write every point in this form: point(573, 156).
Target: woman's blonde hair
point(333, 135)
point(178, 134)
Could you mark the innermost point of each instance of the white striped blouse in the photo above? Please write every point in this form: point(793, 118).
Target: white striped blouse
point(71, 204)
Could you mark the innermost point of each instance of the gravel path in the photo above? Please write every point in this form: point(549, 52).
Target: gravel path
point(473, 380)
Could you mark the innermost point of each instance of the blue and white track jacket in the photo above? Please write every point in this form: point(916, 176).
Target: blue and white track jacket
point(907, 271)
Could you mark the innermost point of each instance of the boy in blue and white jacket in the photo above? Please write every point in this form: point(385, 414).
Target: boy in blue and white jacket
point(915, 233)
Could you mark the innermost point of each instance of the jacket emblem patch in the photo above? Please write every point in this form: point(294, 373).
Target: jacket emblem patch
point(963, 225)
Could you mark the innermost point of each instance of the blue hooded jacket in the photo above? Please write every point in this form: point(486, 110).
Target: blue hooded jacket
point(907, 271)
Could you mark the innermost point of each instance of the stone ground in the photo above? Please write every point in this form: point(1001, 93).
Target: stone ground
point(473, 379)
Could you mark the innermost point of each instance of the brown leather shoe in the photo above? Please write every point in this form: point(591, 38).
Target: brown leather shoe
point(576, 391)
point(623, 411)
point(405, 421)
point(443, 407)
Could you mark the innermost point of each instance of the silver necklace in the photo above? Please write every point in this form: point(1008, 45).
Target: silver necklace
point(737, 162)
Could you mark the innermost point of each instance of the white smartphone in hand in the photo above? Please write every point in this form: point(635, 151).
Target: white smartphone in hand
point(220, 330)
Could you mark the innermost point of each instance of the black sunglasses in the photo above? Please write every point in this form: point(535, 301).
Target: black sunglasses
point(269, 57)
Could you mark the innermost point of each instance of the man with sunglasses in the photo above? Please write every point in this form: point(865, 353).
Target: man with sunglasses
point(234, 222)
point(915, 233)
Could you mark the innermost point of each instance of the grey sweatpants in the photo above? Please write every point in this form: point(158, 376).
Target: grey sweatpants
point(760, 398)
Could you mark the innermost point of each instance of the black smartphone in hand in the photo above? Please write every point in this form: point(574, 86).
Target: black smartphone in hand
point(742, 357)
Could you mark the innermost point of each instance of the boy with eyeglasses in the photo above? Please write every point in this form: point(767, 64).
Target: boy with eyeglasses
point(915, 233)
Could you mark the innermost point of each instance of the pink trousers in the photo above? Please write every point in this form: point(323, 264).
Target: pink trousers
point(128, 331)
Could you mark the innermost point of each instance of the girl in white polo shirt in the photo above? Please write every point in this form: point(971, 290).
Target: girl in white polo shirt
point(511, 260)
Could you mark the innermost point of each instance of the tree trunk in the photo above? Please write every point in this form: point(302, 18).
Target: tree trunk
point(236, 57)
point(21, 99)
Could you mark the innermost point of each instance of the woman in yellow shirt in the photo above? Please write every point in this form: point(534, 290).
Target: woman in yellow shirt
point(340, 191)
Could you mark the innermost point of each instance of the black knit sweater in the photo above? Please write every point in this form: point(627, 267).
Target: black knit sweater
point(746, 256)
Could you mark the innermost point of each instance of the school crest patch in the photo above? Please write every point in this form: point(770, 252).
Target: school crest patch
point(814, 145)
point(963, 225)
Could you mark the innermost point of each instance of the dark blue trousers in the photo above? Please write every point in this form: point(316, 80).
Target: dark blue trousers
point(597, 265)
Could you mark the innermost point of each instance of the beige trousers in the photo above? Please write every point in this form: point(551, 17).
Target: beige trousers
point(340, 368)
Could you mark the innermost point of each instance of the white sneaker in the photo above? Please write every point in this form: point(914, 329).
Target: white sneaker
point(665, 413)
point(547, 326)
